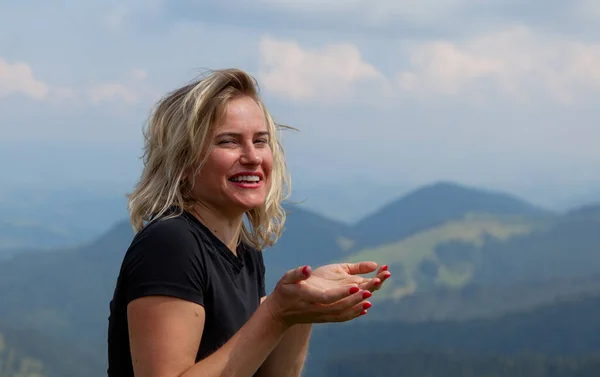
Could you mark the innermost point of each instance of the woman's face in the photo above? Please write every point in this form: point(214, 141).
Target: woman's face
point(237, 174)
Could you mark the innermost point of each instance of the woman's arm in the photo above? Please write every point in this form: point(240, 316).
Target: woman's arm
point(288, 358)
point(165, 332)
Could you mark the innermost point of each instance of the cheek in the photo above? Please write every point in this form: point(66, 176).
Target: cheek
point(267, 164)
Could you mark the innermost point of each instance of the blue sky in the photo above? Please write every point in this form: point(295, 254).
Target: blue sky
point(388, 95)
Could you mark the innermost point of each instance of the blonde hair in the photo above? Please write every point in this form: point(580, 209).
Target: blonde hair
point(178, 134)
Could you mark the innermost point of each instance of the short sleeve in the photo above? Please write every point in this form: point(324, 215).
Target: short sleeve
point(166, 260)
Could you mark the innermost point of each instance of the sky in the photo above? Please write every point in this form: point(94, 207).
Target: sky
point(387, 95)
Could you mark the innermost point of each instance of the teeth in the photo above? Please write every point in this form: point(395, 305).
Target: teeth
point(246, 178)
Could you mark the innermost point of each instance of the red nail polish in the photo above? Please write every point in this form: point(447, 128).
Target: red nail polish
point(387, 275)
point(363, 312)
point(366, 305)
point(366, 294)
point(354, 290)
point(305, 270)
point(377, 282)
point(384, 268)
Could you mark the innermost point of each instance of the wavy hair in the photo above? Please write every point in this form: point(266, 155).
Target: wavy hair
point(176, 139)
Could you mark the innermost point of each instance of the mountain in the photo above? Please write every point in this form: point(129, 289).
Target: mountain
point(442, 261)
point(308, 238)
point(445, 364)
point(32, 218)
point(42, 294)
point(27, 353)
point(564, 329)
point(432, 206)
point(490, 251)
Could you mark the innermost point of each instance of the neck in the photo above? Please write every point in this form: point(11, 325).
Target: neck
point(226, 228)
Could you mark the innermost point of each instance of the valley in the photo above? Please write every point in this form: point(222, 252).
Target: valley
point(468, 276)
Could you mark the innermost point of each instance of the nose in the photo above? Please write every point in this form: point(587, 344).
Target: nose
point(250, 156)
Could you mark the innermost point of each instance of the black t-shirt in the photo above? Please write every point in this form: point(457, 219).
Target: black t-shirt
point(181, 257)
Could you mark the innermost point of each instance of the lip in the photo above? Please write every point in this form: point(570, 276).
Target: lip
point(259, 174)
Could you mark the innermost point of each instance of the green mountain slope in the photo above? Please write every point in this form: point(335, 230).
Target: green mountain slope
point(432, 206)
point(65, 293)
point(428, 259)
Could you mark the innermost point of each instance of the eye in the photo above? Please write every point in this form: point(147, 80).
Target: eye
point(226, 142)
point(262, 141)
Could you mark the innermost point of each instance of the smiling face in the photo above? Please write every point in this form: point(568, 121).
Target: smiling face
point(236, 175)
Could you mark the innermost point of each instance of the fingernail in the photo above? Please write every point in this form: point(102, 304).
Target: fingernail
point(366, 305)
point(363, 312)
point(366, 294)
point(387, 275)
point(305, 270)
point(377, 282)
point(384, 268)
point(354, 290)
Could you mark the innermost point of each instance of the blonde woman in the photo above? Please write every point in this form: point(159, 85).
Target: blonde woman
point(190, 298)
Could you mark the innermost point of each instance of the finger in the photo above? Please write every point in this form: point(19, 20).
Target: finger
point(382, 269)
point(350, 314)
point(371, 284)
point(296, 275)
point(384, 275)
point(327, 296)
point(360, 268)
point(348, 302)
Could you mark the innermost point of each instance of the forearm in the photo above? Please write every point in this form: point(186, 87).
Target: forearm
point(287, 359)
point(246, 351)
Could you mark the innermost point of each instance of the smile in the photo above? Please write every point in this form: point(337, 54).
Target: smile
point(247, 179)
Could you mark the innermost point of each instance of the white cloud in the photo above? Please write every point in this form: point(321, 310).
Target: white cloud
point(331, 72)
point(515, 63)
point(18, 78)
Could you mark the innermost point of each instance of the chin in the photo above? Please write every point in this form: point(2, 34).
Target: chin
point(248, 204)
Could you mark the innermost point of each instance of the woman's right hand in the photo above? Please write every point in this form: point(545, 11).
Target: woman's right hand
point(294, 300)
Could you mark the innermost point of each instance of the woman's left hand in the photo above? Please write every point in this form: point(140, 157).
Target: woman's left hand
point(334, 275)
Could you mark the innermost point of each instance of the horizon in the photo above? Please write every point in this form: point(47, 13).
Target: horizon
point(387, 98)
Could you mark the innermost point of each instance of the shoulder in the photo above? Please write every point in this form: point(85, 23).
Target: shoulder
point(168, 240)
point(171, 228)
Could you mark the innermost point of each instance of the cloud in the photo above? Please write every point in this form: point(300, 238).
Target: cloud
point(330, 72)
point(515, 64)
point(18, 78)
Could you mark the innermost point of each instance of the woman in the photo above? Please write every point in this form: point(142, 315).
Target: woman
point(190, 298)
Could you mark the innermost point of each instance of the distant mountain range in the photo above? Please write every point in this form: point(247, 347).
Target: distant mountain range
point(455, 253)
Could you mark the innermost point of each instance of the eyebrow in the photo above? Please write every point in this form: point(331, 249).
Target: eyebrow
point(235, 134)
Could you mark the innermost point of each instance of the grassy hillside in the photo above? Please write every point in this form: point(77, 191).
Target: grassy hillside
point(65, 293)
point(432, 206)
point(430, 259)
